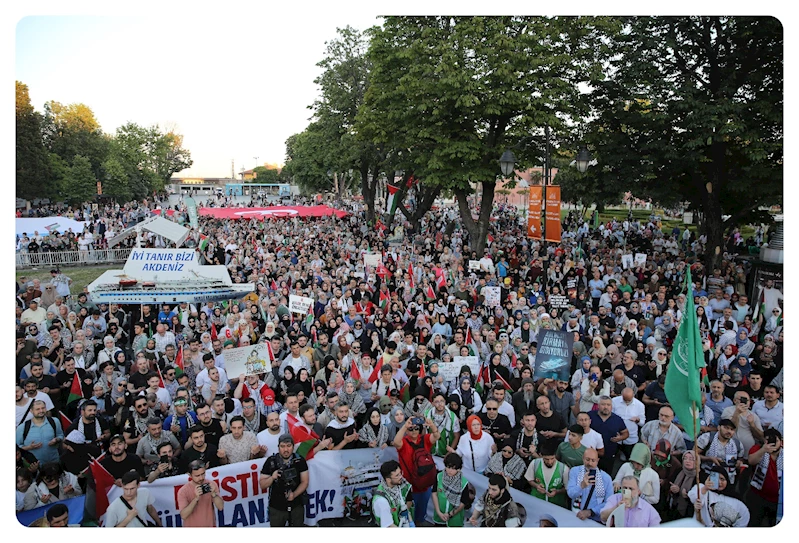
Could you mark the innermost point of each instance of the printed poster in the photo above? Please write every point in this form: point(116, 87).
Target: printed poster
point(554, 354)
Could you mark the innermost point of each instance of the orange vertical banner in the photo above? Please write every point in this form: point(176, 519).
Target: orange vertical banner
point(534, 212)
point(553, 214)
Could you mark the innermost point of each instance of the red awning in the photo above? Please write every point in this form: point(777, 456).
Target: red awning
point(279, 212)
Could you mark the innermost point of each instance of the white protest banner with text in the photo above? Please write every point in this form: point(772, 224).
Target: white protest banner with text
point(450, 370)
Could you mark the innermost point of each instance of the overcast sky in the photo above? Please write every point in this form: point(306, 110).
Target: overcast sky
point(236, 86)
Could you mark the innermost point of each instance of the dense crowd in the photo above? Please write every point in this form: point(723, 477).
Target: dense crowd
point(363, 371)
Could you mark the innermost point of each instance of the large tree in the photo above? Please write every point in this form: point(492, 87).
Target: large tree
point(456, 91)
point(72, 130)
point(691, 110)
point(79, 184)
point(32, 160)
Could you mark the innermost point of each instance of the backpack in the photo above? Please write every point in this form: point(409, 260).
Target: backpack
point(29, 422)
point(423, 468)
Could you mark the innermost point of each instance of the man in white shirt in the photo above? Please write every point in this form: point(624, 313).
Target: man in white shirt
point(769, 409)
point(295, 360)
point(591, 438)
point(34, 314)
point(163, 337)
point(632, 412)
point(135, 508)
point(209, 361)
point(269, 437)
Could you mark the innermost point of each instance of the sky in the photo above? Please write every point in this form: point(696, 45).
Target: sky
point(236, 85)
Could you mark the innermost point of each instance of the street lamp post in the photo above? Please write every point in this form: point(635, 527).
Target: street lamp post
point(507, 164)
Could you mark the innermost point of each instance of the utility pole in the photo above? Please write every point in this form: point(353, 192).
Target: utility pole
point(256, 163)
point(232, 169)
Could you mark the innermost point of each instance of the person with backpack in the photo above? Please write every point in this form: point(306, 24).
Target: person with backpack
point(391, 504)
point(721, 449)
point(40, 435)
point(414, 449)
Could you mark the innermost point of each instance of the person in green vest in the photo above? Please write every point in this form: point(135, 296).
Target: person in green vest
point(392, 503)
point(548, 477)
point(453, 495)
point(447, 424)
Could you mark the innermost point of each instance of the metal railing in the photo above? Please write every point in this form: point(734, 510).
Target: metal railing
point(71, 258)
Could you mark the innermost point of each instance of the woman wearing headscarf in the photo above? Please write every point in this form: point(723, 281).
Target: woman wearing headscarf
point(496, 370)
point(454, 404)
point(349, 394)
point(667, 467)
point(329, 367)
point(470, 399)
point(317, 396)
point(304, 381)
point(289, 378)
point(631, 336)
point(396, 421)
point(614, 355)
point(374, 433)
point(578, 352)
point(581, 374)
point(680, 484)
point(718, 506)
point(598, 351)
point(639, 466)
point(743, 343)
point(437, 346)
point(507, 463)
point(476, 446)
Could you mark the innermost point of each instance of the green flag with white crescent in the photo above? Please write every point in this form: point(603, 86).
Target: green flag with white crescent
point(683, 377)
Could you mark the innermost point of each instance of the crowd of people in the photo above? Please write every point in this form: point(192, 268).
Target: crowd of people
point(364, 372)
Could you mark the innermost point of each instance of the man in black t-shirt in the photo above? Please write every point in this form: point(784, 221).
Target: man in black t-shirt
point(138, 379)
point(497, 425)
point(286, 475)
point(200, 450)
point(47, 383)
point(211, 426)
point(342, 430)
point(118, 462)
point(549, 425)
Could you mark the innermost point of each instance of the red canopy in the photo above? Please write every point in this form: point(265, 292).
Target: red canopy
point(280, 212)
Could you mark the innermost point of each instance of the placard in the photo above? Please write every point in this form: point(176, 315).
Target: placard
point(640, 259)
point(372, 260)
point(299, 304)
point(451, 370)
point(249, 360)
point(627, 261)
point(553, 355)
point(534, 209)
point(474, 265)
point(492, 296)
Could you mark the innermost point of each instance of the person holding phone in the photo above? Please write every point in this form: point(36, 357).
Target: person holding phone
point(765, 488)
point(637, 513)
point(589, 487)
point(715, 495)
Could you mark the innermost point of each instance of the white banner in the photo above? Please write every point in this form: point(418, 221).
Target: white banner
point(248, 360)
point(474, 265)
point(627, 261)
point(300, 304)
point(640, 259)
point(339, 482)
point(373, 260)
point(146, 264)
point(492, 295)
point(450, 370)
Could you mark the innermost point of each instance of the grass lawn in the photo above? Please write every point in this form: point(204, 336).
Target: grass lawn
point(81, 276)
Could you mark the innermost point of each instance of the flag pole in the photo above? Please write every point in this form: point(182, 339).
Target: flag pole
point(697, 464)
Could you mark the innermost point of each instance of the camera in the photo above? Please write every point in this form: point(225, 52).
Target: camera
point(290, 477)
point(206, 488)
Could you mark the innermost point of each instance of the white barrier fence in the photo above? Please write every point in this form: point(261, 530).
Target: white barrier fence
point(71, 258)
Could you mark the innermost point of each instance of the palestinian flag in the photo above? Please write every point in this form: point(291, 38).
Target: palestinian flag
point(405, 393)
point(498, 377)
point(410, 275)
point(309, 318)
point(304, 439)
point(103, 481)
point(392, 201)
point(381, 271)
point(441, 278)
point(76, 392)
point(384, 299)
point(376, 372)
point(65, 422)
point(179, 357)
point(203, 242)
point(160, 377)
point(490, 239)
point(470, 342)
point(429, 293)
point(482, 379)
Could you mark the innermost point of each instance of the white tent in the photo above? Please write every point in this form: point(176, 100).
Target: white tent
point(172, 231)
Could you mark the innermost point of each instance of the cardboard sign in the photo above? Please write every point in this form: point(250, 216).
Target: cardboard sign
point(248, 360)
point(300, 304)
point(640, 259)
point(627, 261)
point(450, 370)
point(492, 296)
point(474, 265)
point(373, 260)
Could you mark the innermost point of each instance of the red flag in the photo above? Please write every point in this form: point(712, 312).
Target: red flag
point(355, 373)
point(213, 333)
point(304, 439)
point(103, 481)
point(384, 300)
point(376, 372)
point(410, 275)
point(441, 278)
point(291, 419)
point(273, 285)
point(269, 350)
point(179, 359)
point(422, 371)
point(160, 377)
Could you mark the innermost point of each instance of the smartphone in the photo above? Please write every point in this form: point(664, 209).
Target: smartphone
point(627, 496)
point(592, 473)
point(164, 459)
point(714, 480)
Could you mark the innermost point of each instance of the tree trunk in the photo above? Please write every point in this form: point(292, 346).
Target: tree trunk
point(368, 193)
point(478, 230)
point(427, 196)
point(713, 227)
